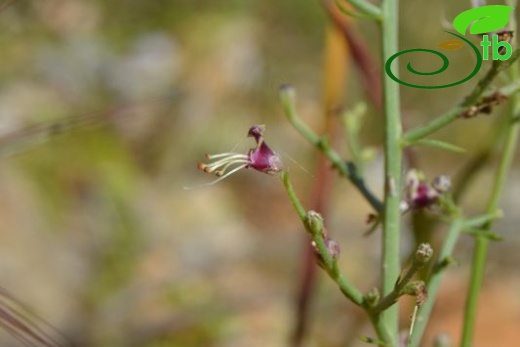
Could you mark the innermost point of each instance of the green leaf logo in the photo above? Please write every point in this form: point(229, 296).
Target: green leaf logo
point(482, 19)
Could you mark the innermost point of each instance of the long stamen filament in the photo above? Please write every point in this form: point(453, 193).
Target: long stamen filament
point(223, 162)
point(226, 158)
point(224, 176)
point(223, 170)
point(222, 155)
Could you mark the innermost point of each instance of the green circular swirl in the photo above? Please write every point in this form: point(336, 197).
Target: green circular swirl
point(445, 64)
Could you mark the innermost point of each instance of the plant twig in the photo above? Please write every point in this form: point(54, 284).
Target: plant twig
point(329, 262)
point(434, 281)
point(287, 99)
point(451, 115)
point(511, 135)
point(421, 258)
point(482, 241)
point(335, 71)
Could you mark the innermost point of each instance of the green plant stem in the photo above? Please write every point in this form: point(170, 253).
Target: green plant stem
point(450, 116)
point(391, 298)
point(344, 284)
point(393, 165)
point(434, 281)
point(287, 98)
point(482, 240)
point(381, 329)
point(330, 264)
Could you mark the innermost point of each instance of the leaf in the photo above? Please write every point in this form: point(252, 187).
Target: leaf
point(482, 19)
point(491, 235)
point(440, 144)
point(451, 45)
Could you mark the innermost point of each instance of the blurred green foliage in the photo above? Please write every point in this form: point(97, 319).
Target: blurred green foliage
point(105, 109)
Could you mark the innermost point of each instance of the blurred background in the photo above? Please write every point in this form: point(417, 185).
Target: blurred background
point(107, 106)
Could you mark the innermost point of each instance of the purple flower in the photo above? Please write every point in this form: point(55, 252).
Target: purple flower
point(261, 158)
point(421, 194)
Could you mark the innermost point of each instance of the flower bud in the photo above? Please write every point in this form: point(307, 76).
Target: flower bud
point(372, 297)
point(442, 184)
point(418, 193)
point(423, 254)
point(315, 221)
point(421, 194)
point(417, 289)
point(332, 248)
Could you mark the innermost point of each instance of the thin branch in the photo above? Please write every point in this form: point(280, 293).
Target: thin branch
point(472, 99)
point(434, 281)
point(316, 232)
point(287, 96)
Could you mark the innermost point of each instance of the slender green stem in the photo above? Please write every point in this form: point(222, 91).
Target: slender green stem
point(393, 165)
point(450, 116)
point(287, 98)
point(403, 286)
point(329, 262)
point(481, 240)
point(381, 329)
point(434, 281)
point(477, 275)
point(391, 298)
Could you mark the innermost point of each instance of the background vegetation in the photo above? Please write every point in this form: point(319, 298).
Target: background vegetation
point(107, 106)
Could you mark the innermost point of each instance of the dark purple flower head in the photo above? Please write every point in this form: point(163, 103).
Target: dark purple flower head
point(264, 159)
point(421, 194)
point(261, 158)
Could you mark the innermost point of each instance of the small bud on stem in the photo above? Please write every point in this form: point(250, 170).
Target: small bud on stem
point(423, 254)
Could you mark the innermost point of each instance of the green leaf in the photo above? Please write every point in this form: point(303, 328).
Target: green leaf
point(491, 235)
point(482, 19)
point(440, 144)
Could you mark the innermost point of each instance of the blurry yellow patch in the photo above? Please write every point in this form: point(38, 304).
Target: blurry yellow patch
point(451, 45)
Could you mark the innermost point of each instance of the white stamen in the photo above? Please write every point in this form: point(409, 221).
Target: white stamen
point(223, 170)
point(224, 162)
point(235, 158)
point(222, 155)
point(412, 324)
point(220, 178)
